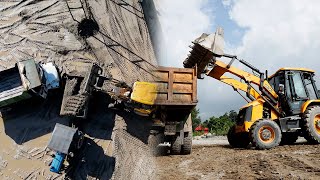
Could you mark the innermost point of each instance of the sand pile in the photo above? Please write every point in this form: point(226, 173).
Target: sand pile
point(111, 33)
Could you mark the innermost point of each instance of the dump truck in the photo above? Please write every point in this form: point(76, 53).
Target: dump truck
point(168, 101)
point(27, 79)
point(81, 78)
point(176, 97)
point(280, 107)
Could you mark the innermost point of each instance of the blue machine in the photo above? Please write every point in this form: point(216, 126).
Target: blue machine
point(57, 162)
point(64, 140)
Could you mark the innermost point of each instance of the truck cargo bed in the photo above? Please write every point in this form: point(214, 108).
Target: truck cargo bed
point(176, 86)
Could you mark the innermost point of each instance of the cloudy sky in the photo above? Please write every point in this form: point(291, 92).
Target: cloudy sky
point(270, 34)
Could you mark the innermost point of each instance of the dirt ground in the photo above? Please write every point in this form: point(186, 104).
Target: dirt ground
point(220, 161)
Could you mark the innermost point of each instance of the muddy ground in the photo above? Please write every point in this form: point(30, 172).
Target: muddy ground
point(219, 161)
point(118, 40)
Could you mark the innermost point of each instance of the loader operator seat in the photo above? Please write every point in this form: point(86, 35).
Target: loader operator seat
point(283, 100)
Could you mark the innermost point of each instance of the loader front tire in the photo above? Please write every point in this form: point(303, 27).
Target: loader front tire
point(311, 124)
point(265, 134)
point(237, 140)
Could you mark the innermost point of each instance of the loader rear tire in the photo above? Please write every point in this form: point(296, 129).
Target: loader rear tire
point(311, 124)
point(187, 145)
point(176, 145)
point(265, 134)
point(237, 140)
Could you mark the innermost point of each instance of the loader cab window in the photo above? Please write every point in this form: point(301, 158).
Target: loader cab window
point(297, 83)
point(295, 92)
point(317, 84)
point(310, 85)
point(276, 80)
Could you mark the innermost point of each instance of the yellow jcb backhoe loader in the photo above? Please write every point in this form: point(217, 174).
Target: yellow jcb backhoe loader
point(280, 107)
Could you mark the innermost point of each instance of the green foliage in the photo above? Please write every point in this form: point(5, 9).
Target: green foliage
point(196, 120)
point(233, 115)
point(217, 125)
point(197, 133)
point(222, 124)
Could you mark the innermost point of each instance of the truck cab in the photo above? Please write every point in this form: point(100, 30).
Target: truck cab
point(26, 79)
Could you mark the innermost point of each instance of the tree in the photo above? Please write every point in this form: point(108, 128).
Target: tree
point(233, 115)
point(222, 124)
point(196, 120)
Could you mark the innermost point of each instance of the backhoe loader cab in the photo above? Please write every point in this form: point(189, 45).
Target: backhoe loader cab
point(298, 87)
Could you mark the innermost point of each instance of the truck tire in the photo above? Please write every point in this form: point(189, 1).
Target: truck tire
point(265, 134)
point(289, 138)
point(187, 145)
point(176, 145)
point(311, 124)
point(238, 140)
point(153, 141)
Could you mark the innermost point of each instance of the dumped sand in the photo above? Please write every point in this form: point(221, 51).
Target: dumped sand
point(48, 30)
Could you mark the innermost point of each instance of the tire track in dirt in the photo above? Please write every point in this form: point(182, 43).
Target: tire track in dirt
point(298, 161)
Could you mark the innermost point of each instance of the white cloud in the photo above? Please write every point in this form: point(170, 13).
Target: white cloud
point(226, 3)
point(182, 21)
point(279, 33)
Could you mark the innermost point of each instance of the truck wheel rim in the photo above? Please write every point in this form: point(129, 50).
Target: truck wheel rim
point(266, 134)
point(317, 123)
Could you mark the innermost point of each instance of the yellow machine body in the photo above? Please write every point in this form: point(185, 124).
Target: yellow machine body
point(144, 93)
point(252, 112)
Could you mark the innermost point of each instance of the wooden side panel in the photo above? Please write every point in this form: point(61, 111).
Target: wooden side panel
point(176, 86)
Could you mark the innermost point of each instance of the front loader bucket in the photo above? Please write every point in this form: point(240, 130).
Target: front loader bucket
point(205, 49)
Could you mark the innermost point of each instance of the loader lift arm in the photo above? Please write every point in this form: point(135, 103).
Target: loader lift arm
point(203, 55)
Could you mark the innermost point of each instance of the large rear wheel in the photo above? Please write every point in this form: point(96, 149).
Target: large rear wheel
point(265, 134)
point(237, 140)
point(311, 124)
